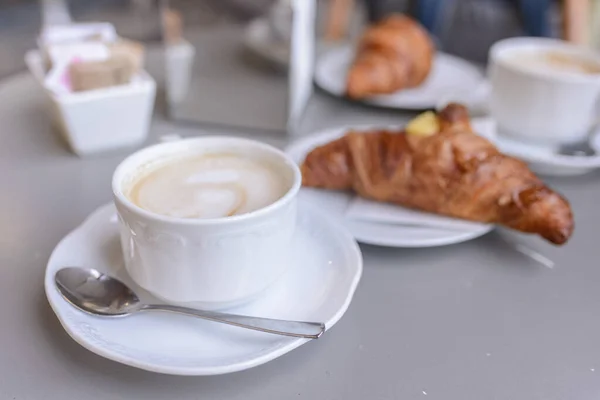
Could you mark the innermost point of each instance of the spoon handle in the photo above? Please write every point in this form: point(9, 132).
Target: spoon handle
point(309, 330)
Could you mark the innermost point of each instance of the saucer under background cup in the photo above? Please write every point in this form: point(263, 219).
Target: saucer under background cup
point(324, 271)
point(543, 160)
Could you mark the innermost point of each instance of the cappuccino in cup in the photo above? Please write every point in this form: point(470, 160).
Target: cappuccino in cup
point(208, 186)
point(206, 222)
point(554, 61)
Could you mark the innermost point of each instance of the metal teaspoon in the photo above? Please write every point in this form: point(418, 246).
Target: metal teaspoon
point(99, 294)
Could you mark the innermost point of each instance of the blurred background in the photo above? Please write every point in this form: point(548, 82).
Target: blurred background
point(20, 20)
point(227, 62)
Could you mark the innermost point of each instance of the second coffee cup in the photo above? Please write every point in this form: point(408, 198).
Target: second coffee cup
point(544, 91)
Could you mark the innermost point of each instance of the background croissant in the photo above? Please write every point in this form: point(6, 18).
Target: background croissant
point(393, 54)
point(453, 172)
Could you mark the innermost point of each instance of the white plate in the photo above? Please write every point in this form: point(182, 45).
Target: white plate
point(326, 267)
point(542, 160)
point(392, 235)
point(258, 39)
point(449, 75)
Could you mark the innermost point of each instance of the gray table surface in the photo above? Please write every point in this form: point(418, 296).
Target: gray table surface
point(471, 321)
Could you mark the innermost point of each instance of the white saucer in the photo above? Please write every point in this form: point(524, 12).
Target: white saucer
point(541, 160)
point(258, 39)
point(392, 235)
point(449, 75)
point(326, 267)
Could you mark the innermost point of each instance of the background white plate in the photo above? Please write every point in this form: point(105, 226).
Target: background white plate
point(392, 235)
point(325, 267)
point(449, 75)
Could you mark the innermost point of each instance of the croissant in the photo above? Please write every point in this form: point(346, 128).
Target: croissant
point(453, 172)
point(393, 54)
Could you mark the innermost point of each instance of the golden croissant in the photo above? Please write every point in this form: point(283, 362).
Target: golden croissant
point(453, 172)
point(393, 54)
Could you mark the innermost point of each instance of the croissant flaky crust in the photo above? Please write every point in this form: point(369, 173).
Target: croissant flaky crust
point(394, 54)
point(453, 172)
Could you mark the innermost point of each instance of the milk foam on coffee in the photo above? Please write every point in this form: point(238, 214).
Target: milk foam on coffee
point(554, 61)
point(208, 186)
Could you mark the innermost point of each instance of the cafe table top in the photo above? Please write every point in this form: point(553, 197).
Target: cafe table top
point(477, 320)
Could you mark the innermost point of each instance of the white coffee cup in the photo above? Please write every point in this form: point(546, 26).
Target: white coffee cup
point(209, 263)
point(543, 106)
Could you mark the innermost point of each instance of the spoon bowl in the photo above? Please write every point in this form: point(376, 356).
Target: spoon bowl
point(99, 294)
point(95, 292)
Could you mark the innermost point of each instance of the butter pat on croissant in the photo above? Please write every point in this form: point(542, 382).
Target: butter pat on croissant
point(425, 124)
